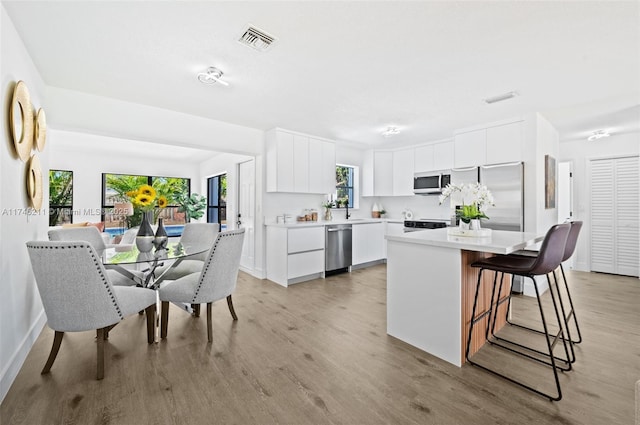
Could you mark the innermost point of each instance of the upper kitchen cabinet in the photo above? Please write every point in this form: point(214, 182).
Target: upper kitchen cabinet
point(438, 156)
point(470, 148)
point(491, 145)
point(299, 163)
point(403, 164)
point(387, 173)
point(504, 143)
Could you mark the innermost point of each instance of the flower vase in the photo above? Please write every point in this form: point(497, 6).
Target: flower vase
point(475, 224)
point(327, 214)
point(160, 240)
point(464, 226)
point(144, 237)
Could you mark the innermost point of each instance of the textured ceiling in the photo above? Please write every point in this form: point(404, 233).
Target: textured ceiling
point(347, 70)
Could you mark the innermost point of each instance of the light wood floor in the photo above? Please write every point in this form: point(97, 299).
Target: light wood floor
point(318, 353)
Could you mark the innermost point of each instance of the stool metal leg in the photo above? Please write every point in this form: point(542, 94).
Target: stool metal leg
point(572, 311)
point(549, 343)
point(570, 358)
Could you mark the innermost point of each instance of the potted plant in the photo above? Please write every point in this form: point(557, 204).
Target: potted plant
point(327, 205)
point(193, 206)
point(472, 198)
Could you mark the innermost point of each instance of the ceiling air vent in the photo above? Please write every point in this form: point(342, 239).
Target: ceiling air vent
point(256, 38)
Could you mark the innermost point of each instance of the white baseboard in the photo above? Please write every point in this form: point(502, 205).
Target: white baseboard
point(12, 368)
point(257, 273)
point(581, 266)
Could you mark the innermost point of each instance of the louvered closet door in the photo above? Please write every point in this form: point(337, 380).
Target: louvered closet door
point(627, 204)
point(614, 216)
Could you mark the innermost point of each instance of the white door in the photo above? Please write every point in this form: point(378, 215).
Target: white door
point(565, 192)
point(246, 211)
point(614, 216)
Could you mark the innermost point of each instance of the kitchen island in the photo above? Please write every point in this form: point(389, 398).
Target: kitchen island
point(431, 286)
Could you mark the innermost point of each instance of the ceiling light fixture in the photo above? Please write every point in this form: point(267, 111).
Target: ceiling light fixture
point(598, 134)
point(501, 97)
point(391, 131)
point(211, 76)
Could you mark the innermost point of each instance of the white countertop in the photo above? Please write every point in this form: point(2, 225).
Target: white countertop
point(500, 242)
point(336, 221)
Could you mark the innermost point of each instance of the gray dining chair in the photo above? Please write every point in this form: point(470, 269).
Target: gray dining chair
point(77, 295)
point(193, 234)
point(215, 281)
point(92, 235)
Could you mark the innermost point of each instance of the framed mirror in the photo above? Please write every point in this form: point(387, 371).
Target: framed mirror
point(21, 121)
point(34, 183)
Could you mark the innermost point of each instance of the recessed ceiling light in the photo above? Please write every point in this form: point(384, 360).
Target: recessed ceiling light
point(211, 76)
point(598, 134)
point(391, 131)
point(501, 97)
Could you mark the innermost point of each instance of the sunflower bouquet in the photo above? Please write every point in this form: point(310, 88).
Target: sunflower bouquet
point(146, 199)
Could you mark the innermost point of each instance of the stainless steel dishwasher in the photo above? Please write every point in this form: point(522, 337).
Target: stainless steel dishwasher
point(337, 247)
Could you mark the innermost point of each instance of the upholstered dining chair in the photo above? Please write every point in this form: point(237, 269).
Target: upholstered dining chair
point(215, 281)
point(197, 234)
point(78, 295)
point(92, 235)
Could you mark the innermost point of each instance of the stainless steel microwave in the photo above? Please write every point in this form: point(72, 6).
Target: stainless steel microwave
point(431, 182)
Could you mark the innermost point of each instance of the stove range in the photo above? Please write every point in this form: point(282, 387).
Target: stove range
point(423, 224)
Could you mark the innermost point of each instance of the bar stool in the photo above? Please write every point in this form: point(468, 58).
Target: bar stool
point(569, 250)
point(548, 259)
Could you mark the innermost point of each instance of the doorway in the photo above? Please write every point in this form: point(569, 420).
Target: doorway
point(246, 211)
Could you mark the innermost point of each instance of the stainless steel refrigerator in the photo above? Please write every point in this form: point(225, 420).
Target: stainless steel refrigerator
point(506, 183)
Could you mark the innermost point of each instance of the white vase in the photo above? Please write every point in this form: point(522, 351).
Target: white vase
point(463, 226)
point(475, 224)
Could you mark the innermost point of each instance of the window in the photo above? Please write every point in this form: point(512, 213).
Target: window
point(60, 197)
point(115, 187)
point(345, 180)
point(217, 200)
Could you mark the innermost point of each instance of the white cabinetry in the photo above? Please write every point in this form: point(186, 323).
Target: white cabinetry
point(367, 242)
point(388, 173)
point(438, 156)
point(383, 173)
point(299, 163)
point(504, 143)
point(403, 165)
point(470, 148)
point(491, 145)
point(392, 229)
point(294, 254)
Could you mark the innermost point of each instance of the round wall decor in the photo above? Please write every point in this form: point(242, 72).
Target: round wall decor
point(21, 121)
point(34, 182)
point(41, 130)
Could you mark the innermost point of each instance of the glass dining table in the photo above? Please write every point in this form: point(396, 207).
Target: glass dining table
point(174, 253)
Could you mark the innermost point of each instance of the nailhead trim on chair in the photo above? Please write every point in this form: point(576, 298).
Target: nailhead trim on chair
point(208, 263)
point(97, 263)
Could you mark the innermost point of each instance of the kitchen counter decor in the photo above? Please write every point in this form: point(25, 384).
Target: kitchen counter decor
point(471, 197)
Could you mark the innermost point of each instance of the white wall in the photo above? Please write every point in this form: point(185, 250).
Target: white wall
point(580, 152)
point(73, 151)
point(21, 314)
point(82, 112)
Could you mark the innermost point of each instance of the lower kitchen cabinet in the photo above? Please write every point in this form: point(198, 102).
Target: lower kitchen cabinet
point(294, 254)
point(367, 243)
point(392, 229)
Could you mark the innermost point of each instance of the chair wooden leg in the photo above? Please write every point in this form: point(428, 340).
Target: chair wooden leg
point(164, 319)
point(57, 340)
point(209, 323)
point(231, 309)
point(196, 310)
point(151, 323)
point(100, 347)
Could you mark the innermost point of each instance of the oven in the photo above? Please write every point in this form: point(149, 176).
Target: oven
point(423, 224)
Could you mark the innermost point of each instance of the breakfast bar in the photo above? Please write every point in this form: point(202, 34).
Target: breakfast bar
point(431, 286)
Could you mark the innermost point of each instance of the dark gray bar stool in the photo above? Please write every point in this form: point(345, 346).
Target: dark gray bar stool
point(547, 260)
point(569, 250)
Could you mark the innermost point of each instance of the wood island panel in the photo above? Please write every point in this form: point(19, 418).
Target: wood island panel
point(469, 277)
